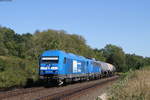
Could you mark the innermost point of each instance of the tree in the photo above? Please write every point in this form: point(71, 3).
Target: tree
point(7, 45)
point(134, 61)
point(116, 56)
point(99, 55)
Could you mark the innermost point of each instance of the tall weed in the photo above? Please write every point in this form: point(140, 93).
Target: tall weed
point(135, 86)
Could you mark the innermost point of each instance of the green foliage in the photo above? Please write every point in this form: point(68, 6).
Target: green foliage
point(147, 61)
point(15, 71)
point(52, 39)
point(134, 62)
point(7, 41)
point(2, 64)
point(98, 54)
point(116, 56)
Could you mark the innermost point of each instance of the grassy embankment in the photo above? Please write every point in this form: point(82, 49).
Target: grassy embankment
point(134, 86)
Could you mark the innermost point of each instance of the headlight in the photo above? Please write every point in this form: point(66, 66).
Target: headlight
point(54, 68)
point(43, 68)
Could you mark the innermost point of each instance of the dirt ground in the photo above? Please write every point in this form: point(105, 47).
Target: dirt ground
point(94, 93)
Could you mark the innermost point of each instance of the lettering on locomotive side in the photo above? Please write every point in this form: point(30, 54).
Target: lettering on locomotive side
point(75, 63)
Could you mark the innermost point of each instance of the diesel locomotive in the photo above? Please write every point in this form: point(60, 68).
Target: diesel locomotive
point(59, 66)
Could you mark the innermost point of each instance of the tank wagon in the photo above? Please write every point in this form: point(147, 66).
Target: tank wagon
point(59, 66)
point(107, 69)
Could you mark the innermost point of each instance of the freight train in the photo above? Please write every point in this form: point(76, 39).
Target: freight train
point(62, 67)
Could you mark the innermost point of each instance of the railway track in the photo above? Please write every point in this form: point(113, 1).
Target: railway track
point(54, 93)
point(17, 92)
point(67, 94)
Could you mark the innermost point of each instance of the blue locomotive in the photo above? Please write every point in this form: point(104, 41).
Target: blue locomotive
point(57, 65)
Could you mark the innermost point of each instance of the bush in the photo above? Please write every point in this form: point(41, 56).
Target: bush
point(16, 72)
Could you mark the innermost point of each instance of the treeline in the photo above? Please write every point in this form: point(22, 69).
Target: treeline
point(122, 61)
point(19, 54)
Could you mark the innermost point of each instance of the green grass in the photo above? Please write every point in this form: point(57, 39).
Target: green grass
point(134, 86)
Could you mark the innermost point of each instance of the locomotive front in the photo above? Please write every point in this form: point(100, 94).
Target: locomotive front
point(49, 64)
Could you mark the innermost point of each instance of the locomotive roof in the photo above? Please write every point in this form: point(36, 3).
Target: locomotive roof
point(60, 52)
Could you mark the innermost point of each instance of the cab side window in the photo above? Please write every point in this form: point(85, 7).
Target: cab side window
point(65, 60)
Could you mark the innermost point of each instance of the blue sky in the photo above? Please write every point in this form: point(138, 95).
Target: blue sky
point(125, 23)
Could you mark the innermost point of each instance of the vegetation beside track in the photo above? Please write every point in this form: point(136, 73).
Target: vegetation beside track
point(134, 85)
point(16, 72)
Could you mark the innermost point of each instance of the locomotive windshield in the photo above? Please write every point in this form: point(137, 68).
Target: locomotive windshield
point(49, 60)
